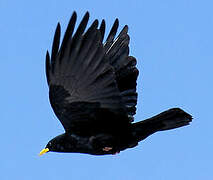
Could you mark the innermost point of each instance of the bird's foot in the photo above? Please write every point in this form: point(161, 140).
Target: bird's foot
point(116, 153)
point(107, 149)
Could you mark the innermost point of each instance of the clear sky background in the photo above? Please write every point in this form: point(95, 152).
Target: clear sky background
point(173, 43)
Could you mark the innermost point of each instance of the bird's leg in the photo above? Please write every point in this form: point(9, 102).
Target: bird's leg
point(103, 142)
point(107, 149)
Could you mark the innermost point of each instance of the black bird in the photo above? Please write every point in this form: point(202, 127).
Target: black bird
point(92, 90)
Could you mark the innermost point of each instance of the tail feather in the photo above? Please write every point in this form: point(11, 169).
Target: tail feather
point(170, 119)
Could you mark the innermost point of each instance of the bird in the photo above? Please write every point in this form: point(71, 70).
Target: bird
point(92, 90)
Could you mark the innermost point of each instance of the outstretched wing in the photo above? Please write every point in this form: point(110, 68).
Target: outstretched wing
point(80, 78)
point(126, 72)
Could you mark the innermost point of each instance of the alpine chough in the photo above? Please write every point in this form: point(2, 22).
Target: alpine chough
point(92, 90)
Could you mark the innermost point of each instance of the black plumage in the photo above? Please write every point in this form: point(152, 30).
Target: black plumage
point(92, 90)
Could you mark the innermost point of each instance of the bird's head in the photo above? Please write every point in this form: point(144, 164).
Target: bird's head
point(57, 144)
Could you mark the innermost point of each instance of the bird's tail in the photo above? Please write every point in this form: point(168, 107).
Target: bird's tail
point(170, 119)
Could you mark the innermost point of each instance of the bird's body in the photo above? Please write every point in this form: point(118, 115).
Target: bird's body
point(99, 144)
point(92, 90)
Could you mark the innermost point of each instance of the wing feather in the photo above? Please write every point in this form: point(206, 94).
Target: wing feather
point(55, 45)
point(80, 75)
point(117, 52)
point(68, 34)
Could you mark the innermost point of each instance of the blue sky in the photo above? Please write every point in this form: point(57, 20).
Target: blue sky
point(172, 41)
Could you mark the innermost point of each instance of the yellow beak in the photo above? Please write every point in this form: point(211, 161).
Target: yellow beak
point(43, 151)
